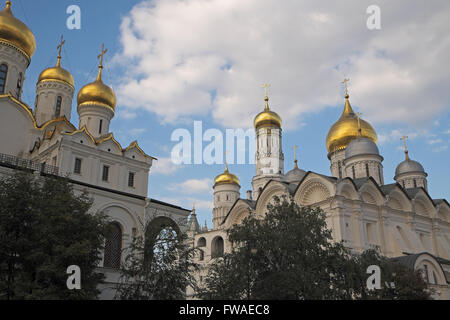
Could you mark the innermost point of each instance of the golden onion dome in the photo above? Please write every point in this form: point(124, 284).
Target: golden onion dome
point(14, 32)
point(347, 128)
point(56, 73)
point(226, 178)
point(97, 93)
point(267, 118)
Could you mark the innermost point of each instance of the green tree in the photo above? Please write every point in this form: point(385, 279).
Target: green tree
point(45, 228)
point(289, 254)
point(159, 270)
point(398, 282)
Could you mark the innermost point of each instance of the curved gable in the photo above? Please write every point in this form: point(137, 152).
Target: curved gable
point(346, 188)
point(397, 199)
point(435, 274)
point(423, 205)
point(109, 144)
point(82, 136)
point(313, 189)
point(237, 213)
point(370, 193)
point(135, 152)
point(443, 211)
point(271, 189)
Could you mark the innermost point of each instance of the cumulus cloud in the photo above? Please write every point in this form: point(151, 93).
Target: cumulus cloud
point(209, 57)
point(396, 135)
point(137, 131)
point(164, 166)
point(126, 114)
point(434, 141)
point(192, 186)
point(440, 149)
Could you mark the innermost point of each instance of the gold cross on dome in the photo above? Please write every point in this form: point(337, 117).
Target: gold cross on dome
point(345, 85)
point(100, 56)
point(226, 164)
point(61, 43)
point(266, 86)
point(295, 156)
point(404, 143)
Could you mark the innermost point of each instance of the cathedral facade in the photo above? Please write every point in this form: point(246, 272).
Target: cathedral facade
point(44, 140)
point(400, 219)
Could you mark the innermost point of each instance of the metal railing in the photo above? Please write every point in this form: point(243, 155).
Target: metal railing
point(16, 162)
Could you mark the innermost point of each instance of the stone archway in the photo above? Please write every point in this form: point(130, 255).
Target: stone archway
point(153, 230)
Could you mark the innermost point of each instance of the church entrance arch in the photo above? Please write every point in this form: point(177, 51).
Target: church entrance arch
point(160, 233)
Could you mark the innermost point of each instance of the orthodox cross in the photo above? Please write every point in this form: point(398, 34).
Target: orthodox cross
point(295, 156)
point(345, 85)
point(406, 148)
point(100, 56)
point(59, 47)
point(226, 164)
point(266, 86)
point(61, 43)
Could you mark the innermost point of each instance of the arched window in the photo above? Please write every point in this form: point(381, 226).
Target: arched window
point(113, 246)
point(19, 85)
point(367, 170)
point(415, 183)
point(353, 171)
point(340, 169)
point(202, 255)
point(201, 242)
point(58, 106)
point(3, 74)
point(217, 247)
point(379, 174)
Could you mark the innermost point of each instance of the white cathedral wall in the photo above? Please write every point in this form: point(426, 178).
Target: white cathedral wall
point(92, 164)
point(17, 130)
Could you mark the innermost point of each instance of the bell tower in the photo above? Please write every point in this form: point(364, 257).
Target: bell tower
point(269, 158)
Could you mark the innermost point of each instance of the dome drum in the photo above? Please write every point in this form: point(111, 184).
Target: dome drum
point(408, 167)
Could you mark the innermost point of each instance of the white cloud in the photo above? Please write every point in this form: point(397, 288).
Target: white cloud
point(202, 204)
point(189, 202)
point(191, 58)
point(137, 131)
point(192, 186)
point(434, 141)
point(395, 136)
point(164, 166)
point(123, 113)
point(440, 149)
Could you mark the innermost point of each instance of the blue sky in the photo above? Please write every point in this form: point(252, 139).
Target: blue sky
point(172, 62)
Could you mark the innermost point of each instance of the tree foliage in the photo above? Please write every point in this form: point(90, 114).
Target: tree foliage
point(289, 254)
point(161, 270)
point(45, 228)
